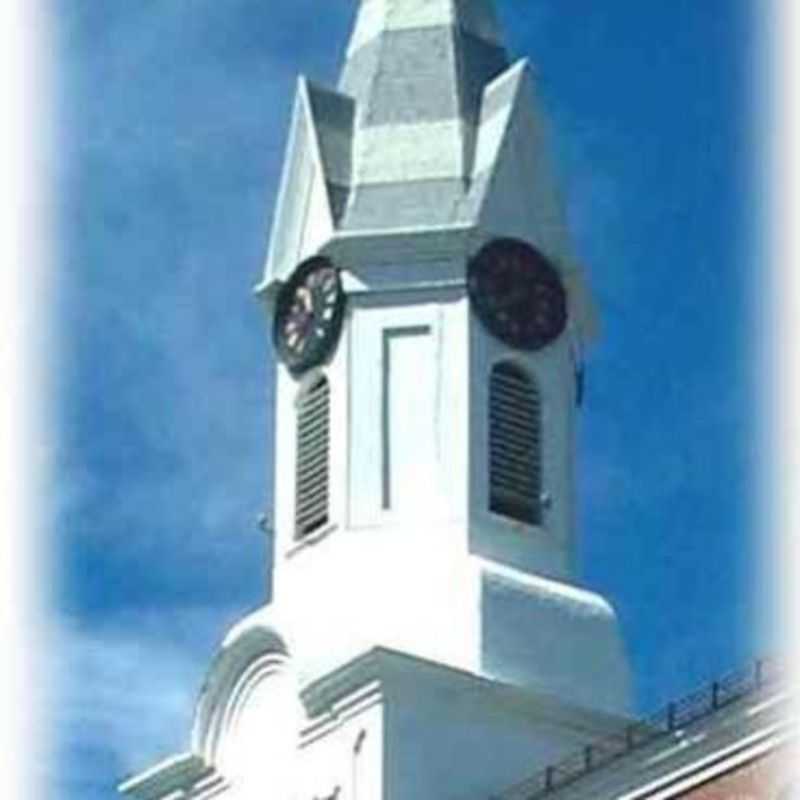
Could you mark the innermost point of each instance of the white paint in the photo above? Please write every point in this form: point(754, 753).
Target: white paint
point(550, 548)
point(522, 199)
point(344, 747)
point(259, 749)
point(409, 152)
point(493, 126)
point(378, 16)
point(409, 428)
point(303, 218)
point(406, 728)
point(397, 417)
point(317, 224)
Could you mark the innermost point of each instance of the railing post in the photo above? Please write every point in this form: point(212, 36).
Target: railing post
point(715, 695)
point(671, 716)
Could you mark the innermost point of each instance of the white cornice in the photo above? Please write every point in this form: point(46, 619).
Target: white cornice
point(381, 668)
point(186, 776)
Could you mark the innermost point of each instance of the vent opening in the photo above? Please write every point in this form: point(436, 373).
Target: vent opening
point(515, 470)
point(313, 442)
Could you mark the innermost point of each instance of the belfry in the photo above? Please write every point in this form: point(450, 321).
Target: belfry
point(427, 637)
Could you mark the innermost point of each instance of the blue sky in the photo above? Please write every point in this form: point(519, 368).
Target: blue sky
point(172, 122)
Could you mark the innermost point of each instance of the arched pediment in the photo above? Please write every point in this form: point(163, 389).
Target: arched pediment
point(249, 715)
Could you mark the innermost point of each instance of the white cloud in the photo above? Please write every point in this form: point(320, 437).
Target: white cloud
point(124, 692)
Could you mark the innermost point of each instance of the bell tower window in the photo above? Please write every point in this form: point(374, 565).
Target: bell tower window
point(313, 443)
point(515, 468)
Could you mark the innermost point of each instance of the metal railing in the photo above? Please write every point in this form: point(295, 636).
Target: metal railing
point(673, 717)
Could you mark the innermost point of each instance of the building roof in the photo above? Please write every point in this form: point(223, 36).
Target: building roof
point(721, 725)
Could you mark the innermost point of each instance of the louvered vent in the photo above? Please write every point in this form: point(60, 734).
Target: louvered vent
point(515, 470)
point(313, 435)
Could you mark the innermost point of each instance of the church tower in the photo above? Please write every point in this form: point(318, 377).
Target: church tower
point(426, 638)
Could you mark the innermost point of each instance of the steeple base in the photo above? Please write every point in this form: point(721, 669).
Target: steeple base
point(467, 612)
point(391, 726)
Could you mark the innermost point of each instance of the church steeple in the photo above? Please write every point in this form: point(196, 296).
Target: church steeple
point(427, 313)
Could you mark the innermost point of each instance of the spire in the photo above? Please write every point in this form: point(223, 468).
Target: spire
point(429, 129)
point(474, 17)
point(417, 70)
point(418, 61)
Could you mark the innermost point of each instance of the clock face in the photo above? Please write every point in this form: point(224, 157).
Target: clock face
point(517, 294)
point(308, 315)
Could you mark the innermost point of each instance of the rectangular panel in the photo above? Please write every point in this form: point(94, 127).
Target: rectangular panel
point(395, 411)
point(408, 418)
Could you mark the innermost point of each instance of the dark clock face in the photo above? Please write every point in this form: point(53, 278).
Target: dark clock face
point(308, 315)
point(517, 294)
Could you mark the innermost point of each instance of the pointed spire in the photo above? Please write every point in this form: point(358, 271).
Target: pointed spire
point(417, 70)
point(430, 131)
point(474, 17)
point(421, 60)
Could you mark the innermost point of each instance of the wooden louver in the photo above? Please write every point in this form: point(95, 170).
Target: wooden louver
point(313, 439)
point(515, 470)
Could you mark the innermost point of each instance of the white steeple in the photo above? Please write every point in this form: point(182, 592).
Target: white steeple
point(430, 149)
point(428, 314)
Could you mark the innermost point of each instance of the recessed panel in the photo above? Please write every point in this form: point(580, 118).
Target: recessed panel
point(408, 418)
point(396, 414)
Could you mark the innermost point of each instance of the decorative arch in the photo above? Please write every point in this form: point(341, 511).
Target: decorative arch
point(515, 458)
point(312, 478)
point(254, 655)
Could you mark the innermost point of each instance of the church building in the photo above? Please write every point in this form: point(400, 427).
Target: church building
point(427, 638)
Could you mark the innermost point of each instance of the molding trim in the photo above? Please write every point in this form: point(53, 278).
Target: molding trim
point(243, 661)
